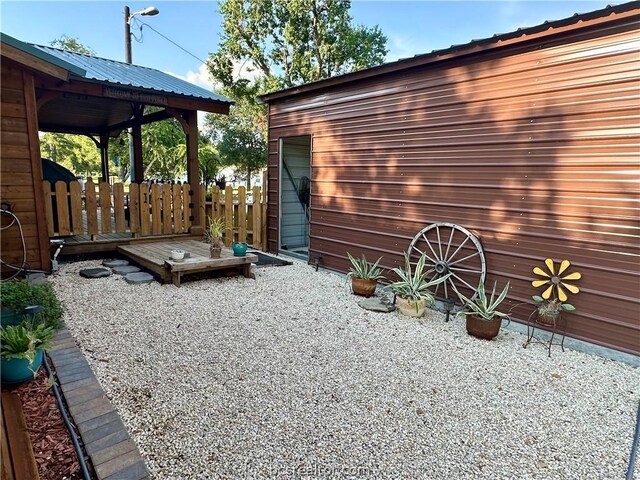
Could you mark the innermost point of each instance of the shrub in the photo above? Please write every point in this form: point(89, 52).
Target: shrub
point(18, 295)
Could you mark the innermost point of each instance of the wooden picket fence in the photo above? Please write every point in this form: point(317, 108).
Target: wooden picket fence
point(145, 210)
point(246, 219)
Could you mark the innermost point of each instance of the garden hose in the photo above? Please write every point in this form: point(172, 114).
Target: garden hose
point(634, 447)
point(67, 421)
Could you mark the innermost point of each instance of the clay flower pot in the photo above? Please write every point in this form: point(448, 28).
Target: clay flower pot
point(408, 307)
point(215, 250)
point(365, 287)
point(481, 328)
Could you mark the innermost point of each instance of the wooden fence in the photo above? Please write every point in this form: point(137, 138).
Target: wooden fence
point(144, 210)
point(246, 220)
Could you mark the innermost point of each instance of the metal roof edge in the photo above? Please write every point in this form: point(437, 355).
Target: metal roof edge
point(25, 47)
point(519, 35)
point(222, 99)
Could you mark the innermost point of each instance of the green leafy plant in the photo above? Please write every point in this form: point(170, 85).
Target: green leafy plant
point(413, 285)
point(482, 307)
point(18, 295)
point(552, 307)
point(360, 268)
point(23, 341)
point(215, 230)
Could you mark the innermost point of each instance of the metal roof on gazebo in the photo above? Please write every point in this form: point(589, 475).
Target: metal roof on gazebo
point(129, 75)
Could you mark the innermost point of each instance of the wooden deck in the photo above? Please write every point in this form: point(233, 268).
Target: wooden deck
point(80, 244)
point(157, 258)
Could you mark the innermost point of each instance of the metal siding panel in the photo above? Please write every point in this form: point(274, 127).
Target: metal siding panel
point(535, 149)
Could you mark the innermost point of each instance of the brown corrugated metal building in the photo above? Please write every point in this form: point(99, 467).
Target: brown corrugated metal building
point(530, 139)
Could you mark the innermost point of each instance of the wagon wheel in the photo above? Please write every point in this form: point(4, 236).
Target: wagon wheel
point(450, 248)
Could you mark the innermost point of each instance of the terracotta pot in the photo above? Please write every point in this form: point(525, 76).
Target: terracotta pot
point(408, 307)
point(548, 319)
point(481, 328)
point(365, 287)
point(215, 251)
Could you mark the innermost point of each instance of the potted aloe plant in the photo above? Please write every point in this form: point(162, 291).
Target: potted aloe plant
point(412, 291)
point(483, 318)
point(364, 275)
point(22, 349)
point(213, 236)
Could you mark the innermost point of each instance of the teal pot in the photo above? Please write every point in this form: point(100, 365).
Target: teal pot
point(239, 249)
point(16, 370)
point(9, 318)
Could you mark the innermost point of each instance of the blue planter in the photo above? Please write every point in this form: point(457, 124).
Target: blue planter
point(16, 370)
point(9, 318)
point(239, 249)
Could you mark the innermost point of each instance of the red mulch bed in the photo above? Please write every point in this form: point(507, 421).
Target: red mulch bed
point(52, 445)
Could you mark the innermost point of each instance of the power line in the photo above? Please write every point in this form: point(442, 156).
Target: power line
point(170, 41)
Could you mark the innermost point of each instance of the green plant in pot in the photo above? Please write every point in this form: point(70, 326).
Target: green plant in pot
point(413, 290)
point(549, 310)
point(364, 275)
point(23, 349)
point(17, 295)
point(213, 236)
point(483, 318)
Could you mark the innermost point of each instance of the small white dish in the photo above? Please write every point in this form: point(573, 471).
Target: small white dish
point(177, 254)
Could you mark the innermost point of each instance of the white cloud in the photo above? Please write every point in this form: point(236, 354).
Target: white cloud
point(201, 77)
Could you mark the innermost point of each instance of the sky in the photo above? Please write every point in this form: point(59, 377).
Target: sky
point(411, 27)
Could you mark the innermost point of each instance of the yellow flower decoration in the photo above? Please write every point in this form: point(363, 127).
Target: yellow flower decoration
point(555, 279)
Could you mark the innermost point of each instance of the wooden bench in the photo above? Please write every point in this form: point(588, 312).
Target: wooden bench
point(18, 462)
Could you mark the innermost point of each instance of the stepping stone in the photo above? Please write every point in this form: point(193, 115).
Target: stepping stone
point(95, 272)
point(138, 277)
point(115, 263)
point(125, 269)
point(377, 304)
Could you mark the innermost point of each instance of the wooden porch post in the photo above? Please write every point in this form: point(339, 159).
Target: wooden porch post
point(136, 131)
point(104, 156)
point(193, 171)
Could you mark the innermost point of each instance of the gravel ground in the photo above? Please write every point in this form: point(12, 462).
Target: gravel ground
point(286, 377)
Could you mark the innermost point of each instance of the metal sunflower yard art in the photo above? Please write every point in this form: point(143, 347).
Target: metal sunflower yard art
point(551, 303)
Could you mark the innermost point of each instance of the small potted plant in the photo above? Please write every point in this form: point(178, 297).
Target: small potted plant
point(22, 349)
point(364, 275)
point(213, 236)
point(483, 318)
point(549, 310)
point(412, 291)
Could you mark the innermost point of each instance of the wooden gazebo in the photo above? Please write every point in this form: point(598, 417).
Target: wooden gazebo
point(52, 90)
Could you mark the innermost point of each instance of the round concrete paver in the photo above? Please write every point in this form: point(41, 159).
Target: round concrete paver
point(95, 273)
point(138, 277)
point(115, 263)
point(125, 269)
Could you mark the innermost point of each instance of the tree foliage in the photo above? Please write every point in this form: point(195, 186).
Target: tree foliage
point(72, 44)
point(280, 44)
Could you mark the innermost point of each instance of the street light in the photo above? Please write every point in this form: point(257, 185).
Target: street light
point(128, 16)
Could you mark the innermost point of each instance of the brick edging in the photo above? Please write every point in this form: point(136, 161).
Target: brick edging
point(113, 453)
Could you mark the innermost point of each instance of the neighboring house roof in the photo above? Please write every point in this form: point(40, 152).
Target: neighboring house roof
point(455, 51)
point(128, 75)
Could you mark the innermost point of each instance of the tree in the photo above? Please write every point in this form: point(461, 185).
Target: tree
point(290, 42)
point(240, 137)
point(281, 43)
point(72, 44)
point(76, 152)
